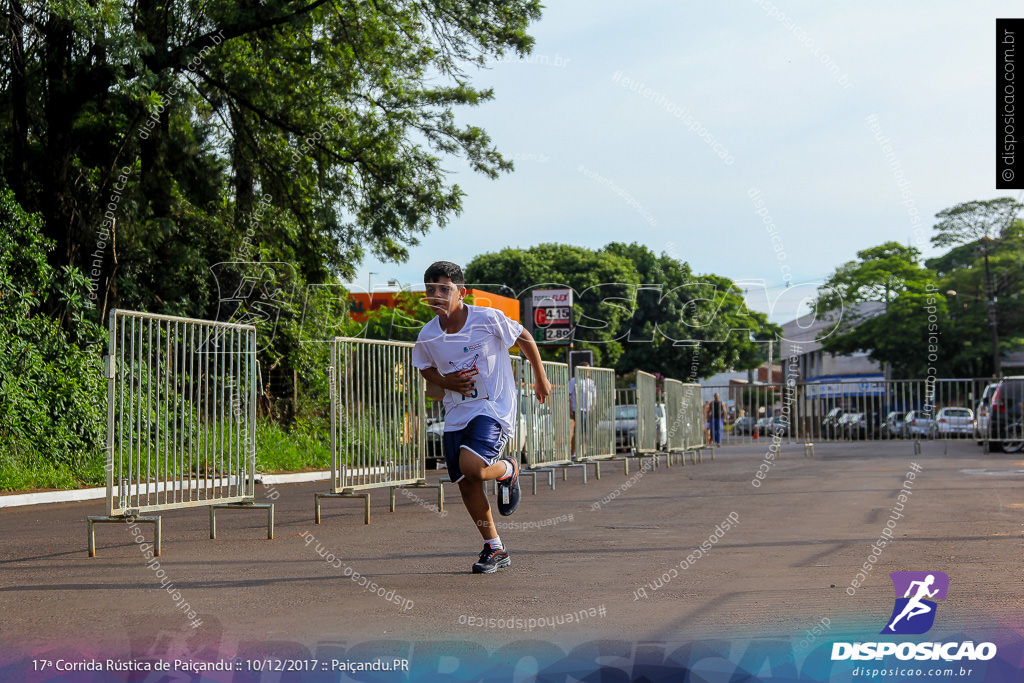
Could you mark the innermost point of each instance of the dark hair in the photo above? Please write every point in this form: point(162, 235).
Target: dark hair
point(439, 269)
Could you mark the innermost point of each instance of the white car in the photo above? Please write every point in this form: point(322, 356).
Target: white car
point(662, 434)
point(982, 410)
point(917, 423)
point(950, 421)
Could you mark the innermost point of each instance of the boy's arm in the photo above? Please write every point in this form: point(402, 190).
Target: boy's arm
point(454, 381)
point(541, 385)
point(434, 391)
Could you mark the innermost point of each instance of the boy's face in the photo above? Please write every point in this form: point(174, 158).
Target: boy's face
point(443, 296)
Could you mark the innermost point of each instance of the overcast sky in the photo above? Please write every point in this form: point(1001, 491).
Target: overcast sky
point(656, 122)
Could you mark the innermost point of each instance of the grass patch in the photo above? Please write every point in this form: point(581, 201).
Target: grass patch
point(306, 446)
point(26, 472)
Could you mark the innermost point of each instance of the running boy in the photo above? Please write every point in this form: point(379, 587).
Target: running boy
point(464, 350)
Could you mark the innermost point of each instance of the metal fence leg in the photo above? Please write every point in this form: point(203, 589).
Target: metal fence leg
point(423, 485)
point(364, 496)
point(565, 470)
point(551, 476)
point(155, 521)
point(269, 507)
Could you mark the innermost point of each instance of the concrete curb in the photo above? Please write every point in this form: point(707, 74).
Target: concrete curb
point(43, 497)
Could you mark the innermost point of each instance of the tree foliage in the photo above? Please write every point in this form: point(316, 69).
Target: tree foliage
point(51, 386)
point(884, 300)
point(637, 309)
point(976, 220)
point(223, 159)
point(604, 286)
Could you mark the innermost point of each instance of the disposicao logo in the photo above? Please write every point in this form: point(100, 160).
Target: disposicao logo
point(912, 614)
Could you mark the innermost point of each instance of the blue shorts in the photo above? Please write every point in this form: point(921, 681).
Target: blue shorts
point(482, 437)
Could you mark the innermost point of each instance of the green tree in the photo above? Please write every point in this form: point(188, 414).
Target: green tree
point(52, 417)
point(401, 322)
point(884, 301)
point(964, 283)
point(635, 309)
point(161, 141)
point(983, 225)
point(685, 326)
point(604, 286)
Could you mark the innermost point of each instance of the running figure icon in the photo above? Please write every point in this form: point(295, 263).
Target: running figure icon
point(915, 607)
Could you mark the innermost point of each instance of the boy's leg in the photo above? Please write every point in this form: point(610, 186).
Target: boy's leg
point(476, 472)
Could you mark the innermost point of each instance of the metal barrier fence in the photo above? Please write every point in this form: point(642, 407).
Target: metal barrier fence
point(516, 445)
point(378, 421)
point(684, 416)
point(625, 419)
point(694, 427)
point(943, 409)
point(181, 418)
point(547, 425)
point(646, 413)
point(594, 390)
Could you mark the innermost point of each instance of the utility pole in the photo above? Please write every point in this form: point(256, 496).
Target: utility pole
point(993, 321)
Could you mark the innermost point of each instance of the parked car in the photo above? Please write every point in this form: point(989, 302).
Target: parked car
point(435, 442)
point(743, 425)
point(981, 410)
point(779, 425)
point(863, 426)
point(762, 425)
point(662, 431)
point(918, 424)
point(625, 426)
point(1006, 416)
point(892, 427)
point(954, 422)
point(830, 425)
point(846, 426)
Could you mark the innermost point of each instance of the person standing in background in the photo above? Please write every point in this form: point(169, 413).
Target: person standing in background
point(717, 414)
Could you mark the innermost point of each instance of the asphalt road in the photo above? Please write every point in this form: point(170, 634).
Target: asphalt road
point(591, 551)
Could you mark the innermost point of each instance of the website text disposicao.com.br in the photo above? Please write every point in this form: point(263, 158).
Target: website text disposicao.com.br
point(901, 673)
point(954, 655)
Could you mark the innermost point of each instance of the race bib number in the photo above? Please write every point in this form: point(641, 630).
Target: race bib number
point(478, 393)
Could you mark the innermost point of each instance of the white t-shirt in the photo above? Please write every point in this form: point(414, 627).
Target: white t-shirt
point(481, 346)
